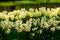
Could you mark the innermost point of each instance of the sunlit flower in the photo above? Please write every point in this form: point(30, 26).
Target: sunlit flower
point(58, 11)
point(7, 17)
point(42, 10)
point(10, 13)
point(14, 12)
point(52, 14)
point(31, 10)
point(18, 12)
point(22, 9)
point(5, 12)
point(21, 16)
point(2, 16)
point(30, 14)
point(11, 17)
point(26, 13)
point(52, 9)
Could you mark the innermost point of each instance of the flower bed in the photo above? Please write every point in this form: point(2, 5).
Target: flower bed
point(30, 24)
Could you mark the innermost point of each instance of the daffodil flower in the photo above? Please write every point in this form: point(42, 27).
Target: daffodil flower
point(12, 17)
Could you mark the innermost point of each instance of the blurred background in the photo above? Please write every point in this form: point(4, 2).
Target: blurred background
point(17, 4)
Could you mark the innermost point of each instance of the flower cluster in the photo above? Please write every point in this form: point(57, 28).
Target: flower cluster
point(32, 20)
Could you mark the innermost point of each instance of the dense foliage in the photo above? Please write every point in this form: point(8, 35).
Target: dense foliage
point(32, 24)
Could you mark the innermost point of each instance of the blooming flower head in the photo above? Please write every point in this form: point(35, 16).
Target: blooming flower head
point(2, 16)
point(31, 14)
point(58, 11)
point(12, 17)
point(21, 16)
point(23, 9)
point(18, 12)
point(14, 12)
point(42, 10)
point(31, 10)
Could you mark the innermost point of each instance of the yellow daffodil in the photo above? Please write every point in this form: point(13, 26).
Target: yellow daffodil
point(18, 12)
point(14, 12)
point(7, 17)
point(53, 14)
point(2, 16)
point(31, 10)
point(12, 17)
point(10, 13)
point(31, 14)
point(52, 9)
point(26, 13)
point(21, 16)
point(59, 12)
